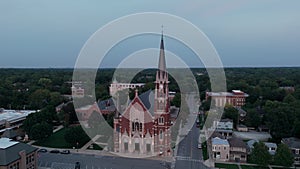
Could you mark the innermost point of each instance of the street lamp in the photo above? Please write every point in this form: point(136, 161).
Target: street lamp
point(77, 145)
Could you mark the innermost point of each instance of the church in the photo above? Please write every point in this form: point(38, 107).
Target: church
point(143, 129)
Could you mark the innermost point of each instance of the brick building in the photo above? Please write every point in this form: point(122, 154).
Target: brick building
point(144, 129)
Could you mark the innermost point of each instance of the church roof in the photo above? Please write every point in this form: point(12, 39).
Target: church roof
point(147, 99)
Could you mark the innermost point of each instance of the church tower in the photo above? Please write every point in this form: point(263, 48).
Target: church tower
point(162, 122)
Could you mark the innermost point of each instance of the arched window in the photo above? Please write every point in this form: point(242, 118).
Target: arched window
point(161, 120)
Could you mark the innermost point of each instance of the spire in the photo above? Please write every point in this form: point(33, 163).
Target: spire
point(162, 60)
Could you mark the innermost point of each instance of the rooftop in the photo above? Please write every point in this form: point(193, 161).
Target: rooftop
point(219, 141)
point(292, 142)
point(6, 142)
point(9, 150)
point(11, 115)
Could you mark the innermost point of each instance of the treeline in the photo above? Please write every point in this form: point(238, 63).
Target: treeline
point(268, 103)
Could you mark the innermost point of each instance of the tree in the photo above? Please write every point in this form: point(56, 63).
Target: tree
point(76, 135)
point(176, 100)
point(289, 99)
point(260, 154)
point(40, 131)
point(231, 113)
point(253, 119)
point(283, 156)
point(45, 82)
point(39, 98)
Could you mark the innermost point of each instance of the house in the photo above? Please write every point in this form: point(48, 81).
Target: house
point(220, 149)
point(238, 150)
point(242, 114)
point(235, 98)
point(294, 145)
point(224, 127)
point(272, 147)
point(16, 155)
point(143, 128)
point(242, 128)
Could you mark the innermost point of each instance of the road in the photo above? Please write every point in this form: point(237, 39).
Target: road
point(67, 161)
point(188, 155)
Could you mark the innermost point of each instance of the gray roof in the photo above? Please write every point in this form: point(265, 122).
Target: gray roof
point(219, 141)
point(292, 142)
point(11, 153)
point(147, 99)
point(236, 142)
point(107, 104)
point(9, 133)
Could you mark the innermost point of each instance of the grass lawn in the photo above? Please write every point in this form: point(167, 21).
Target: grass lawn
point(204, 151)
point(56, 140)
point(227, 166)
point(253, 167)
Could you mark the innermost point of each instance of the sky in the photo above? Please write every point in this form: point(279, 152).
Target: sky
point(245, 33)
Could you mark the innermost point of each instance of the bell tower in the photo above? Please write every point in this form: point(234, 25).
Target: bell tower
point(162, 122)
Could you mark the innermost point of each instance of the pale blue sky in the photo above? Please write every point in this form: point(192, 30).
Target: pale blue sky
point(50, 33)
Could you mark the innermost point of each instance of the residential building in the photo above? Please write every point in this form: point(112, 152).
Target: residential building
point(272, 147)
point(294, 144)
point(220, 149)
point(143, 129)
point(16, 155)
point(242, 128)
point(224, 127)
point(235, 98)
point(238, 150)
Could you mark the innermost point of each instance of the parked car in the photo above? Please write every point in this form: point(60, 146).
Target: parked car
point(65, 152)
point(77, 165)
point(54, 151)
point(42, 150)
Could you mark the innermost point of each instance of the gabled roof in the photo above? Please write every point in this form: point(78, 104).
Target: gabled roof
point(219, 141)
point(291, 142)
point(9, 133)
point(10, 153)
point(236, 142)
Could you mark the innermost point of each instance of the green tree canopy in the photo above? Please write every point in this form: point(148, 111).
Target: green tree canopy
point(40, 131)
point(283, 156)
point(260, 154)
point(231, 113)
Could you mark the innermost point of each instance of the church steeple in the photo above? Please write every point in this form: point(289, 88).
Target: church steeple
point(162, 60)
point(161, 83)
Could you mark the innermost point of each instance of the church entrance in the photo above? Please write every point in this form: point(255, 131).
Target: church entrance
point(126, 147)
point(148, 148)
point(137, 147)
